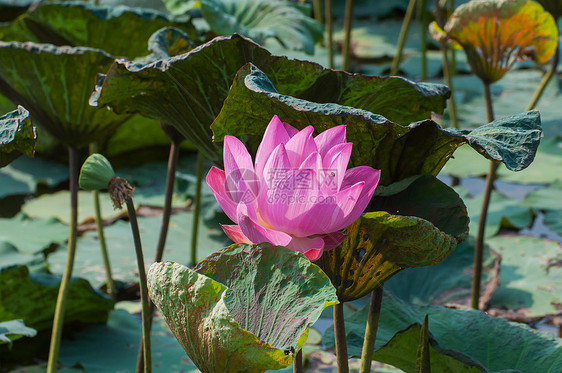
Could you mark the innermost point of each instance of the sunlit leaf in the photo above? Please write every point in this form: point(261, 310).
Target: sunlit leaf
point(460, 340)
point(88, 25)
point(14, 329)
point(496, 33)
point(377, 246)
point(54, 84)
point(32, 297)
point(263, 19)
point(377, 142)
point(17, 136)
point(247, 308)
point(188, 91)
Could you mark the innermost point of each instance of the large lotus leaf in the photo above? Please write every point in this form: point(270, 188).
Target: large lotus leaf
point(263, 19)
point(168, 42)
point(248, 309)
point(17, 136)
point(24, 175)
point(547, 198)
point(188, 91)
point(32, 297)
point(10, 256)
point(81, 24)
point(496, 33)
point(89, 262)
point(428, 198)
point(530, 275)
point(14, 329)
point(54, 84)
point(32, 236)
point(398, 151)
point(378, 245)
point(472, 338)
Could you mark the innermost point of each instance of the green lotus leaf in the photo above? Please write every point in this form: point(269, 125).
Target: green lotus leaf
point(32, 297)
point(262, 19)
point(87, 25)
point(33, 236)
point(460, 340)
point(54, 84)
point(377, 246)
point(246, 308)
point(188, 91)
point(168, 42)
point(496, 33)
point(14, 329)
point(17, 136)
point(398, 151)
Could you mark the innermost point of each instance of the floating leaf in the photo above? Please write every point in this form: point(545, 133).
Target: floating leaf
point(17, 136)
point(247, 309)
point(87, 25)
point(547, 198)
point(461, 340)
point(377, 142)
point(553, 220)
point(54, 84)
point(530, 275)
point(378, 245)
point(32, 297)
point(14, 329)
point(24, 175)
point(10, 256)
point(263, 19)
point(189, 90)
point(496, 33)
point(32, 236)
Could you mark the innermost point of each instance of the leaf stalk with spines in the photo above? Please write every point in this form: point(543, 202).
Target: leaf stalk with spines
point(371, 329)
point(197, 208)
point(490, 178)
point(347, 22)
point(101, 236)
point(329, 32)
point(58, 320)
point(341, 342)
point(402, 37)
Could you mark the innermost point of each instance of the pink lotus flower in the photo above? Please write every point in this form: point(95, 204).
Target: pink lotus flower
point(298, 194)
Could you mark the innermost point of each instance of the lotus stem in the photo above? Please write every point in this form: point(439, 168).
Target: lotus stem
point(446, 68)
point(371, 329)
point(490, 178)
point(197, 208)
point(101, 236)
point(402, 37)
point(58, 321)
point(423, 35)
point(545, 79)
point(317, 7)
point(329, 31)
point(347, 22)
point(453, 67)
point(143, 286)
point(341, 342)
point(297, 362)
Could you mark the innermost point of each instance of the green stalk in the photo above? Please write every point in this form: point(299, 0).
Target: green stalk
point(197, 209)
point(329, 31)
point(347, 22)
point(58, 321)
point(545, 79)
point(101, 236)
point(446, 68)
point(297, 362)
point(341, 342)
point(423, 35)
point(490, 178)
point(402, 37)
point(317, 7)
point(453, 67)
point(371, 329)
point(143, 286)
